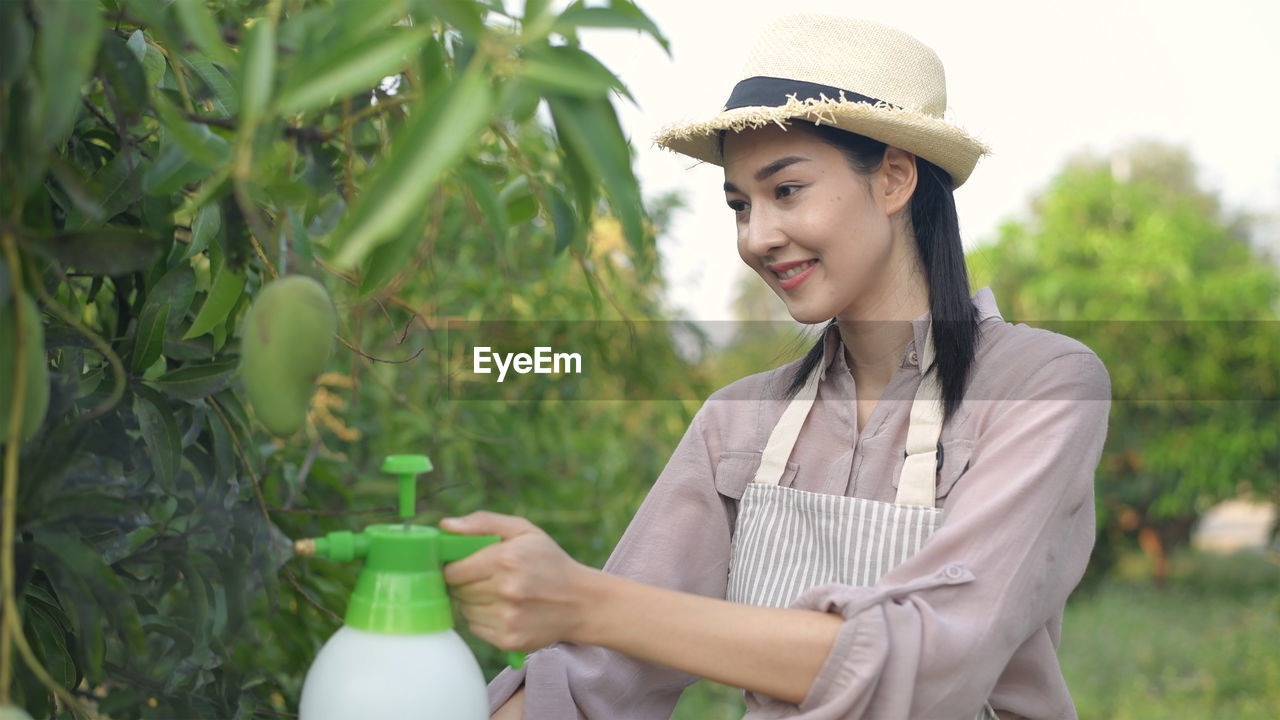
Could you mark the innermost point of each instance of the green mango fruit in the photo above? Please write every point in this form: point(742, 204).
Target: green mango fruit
point(36, 388)
point(288, 335)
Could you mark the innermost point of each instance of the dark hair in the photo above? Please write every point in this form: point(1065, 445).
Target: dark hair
point(936, 228)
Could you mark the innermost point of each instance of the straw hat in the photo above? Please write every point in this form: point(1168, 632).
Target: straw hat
point(856, 75)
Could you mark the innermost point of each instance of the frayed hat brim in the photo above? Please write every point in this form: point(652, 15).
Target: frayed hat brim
point(924, 135)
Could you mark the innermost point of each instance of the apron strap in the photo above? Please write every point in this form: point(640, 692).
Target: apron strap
point(917, 485)
point(773, 461)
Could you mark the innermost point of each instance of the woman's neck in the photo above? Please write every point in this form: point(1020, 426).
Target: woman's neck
point(875, 337)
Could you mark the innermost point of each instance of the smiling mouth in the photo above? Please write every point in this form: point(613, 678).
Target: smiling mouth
point(795, 270)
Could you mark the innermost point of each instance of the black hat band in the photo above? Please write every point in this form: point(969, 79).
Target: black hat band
point(771, 91)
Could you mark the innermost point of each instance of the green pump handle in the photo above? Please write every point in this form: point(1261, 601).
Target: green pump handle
point(401, 588)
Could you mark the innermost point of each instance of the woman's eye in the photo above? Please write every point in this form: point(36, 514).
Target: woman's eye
point(737, 205)
point(786, 190)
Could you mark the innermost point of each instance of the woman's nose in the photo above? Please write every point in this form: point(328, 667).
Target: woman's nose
point(762, 233)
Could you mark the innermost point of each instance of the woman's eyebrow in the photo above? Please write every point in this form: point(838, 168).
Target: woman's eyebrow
point(778, 165)
point(770, 169)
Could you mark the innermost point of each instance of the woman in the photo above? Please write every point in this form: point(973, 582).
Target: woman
point(887, 528)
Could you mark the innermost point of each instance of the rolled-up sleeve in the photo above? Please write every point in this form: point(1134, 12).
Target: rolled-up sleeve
point(931, 639)
point(679, 539)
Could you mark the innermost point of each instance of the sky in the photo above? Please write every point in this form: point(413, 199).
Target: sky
point(1038, 82)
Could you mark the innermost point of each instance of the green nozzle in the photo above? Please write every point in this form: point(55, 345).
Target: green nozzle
point(407, 468)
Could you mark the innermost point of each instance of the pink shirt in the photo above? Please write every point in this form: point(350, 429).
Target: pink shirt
point(975, 614)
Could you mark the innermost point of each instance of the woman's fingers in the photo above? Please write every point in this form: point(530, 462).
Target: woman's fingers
point(476, 567)
point(488, 523)
point(515, 594)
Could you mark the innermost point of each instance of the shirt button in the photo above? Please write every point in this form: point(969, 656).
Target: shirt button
point(953, 572)
point(913, 358)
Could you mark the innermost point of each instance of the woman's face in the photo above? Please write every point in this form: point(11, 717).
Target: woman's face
point(823, 237)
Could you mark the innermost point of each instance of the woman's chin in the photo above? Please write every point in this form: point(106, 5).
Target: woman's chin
point(807, 316)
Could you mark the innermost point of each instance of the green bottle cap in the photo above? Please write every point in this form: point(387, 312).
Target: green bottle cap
point(407, 467)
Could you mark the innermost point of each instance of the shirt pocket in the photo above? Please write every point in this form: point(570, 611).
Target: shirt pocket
point(955, 463)
point(736, 469)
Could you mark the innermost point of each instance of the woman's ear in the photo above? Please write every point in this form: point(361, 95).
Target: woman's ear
point(899, 168)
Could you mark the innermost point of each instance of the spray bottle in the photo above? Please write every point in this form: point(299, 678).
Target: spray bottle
point(397, 656)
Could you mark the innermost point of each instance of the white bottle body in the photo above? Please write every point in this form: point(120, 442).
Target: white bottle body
point(380, 676)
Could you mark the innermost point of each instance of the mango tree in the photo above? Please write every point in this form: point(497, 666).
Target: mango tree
point(1130, 255)
point(161, 163)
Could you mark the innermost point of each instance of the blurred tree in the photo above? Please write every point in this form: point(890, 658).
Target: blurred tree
point(160, 161)
point(1131, 256)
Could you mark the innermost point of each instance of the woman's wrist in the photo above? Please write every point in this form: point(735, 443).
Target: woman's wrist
point(593, 606)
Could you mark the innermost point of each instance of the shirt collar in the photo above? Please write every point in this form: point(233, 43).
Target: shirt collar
point(833, 359)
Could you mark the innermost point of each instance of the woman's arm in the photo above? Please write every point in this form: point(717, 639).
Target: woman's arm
point(526, 593)
point(512, 709)
point(679, 538)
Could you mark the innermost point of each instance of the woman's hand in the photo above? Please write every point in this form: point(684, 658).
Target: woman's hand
point(519, 594)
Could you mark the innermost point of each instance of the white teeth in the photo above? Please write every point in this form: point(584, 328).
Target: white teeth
point(795, 270)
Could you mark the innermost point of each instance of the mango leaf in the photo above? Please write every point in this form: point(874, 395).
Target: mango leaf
point(481, 190)
point(50, 638)
point(224, 292)
point(148, 339)
point(355, 19)
point(65, 49)
point(435, 138)
point(199, 592)
point(73, 194)
point(159, 432)
point(175, 167)
point(222, 95)
point(194, 137)
point(15, 41)
point(461, 14)
point(342, 72)
point(174, 291)
point(116, 184)
point(258, 70)
point(92, 594)
point(534, 9)
point(232, 409)
point(618, 14)
point(124, 79)
point(153, 65)
point(200, 27)
point(390, 258)
point(570, 70)
point(224, 450)
point(110, 251)
point(518, 200)
point(193, 382)
point(567, 228)
point(123, 546)
point(589, 131)
point(206, 226)
point(181, 350)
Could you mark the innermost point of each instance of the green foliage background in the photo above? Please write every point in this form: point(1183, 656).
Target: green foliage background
point(1130, 255)
point(442, 164)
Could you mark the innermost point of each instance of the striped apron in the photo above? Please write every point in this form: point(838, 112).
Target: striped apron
point(787, 541)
